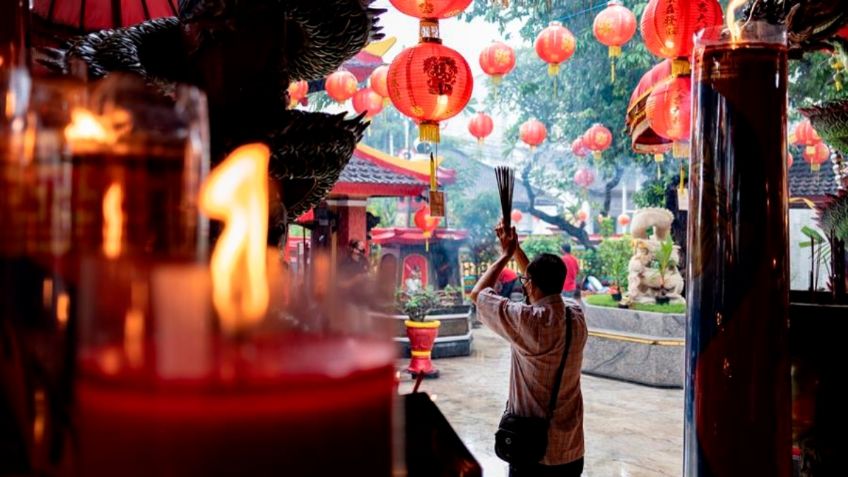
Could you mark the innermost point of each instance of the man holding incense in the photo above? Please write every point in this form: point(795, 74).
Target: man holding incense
point(538, 334)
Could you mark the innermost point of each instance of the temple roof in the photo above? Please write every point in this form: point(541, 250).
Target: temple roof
point(804, 183)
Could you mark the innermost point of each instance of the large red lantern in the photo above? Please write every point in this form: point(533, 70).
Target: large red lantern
point(584, 177)
point(667, 110)
point(497, 60)
point(597, 139)
point(805, 135)
point(624, 220)
point(554, 45)
point(819, 155)
point(377, 80)
point(341, 85)
point(668, 27)
point(644, 140)
point(424, 221)
point(429, 83)
point(480, 126)
point(367, 101)
point(533, 133)
point(431, 9)
point(578, 148)
point(614, 27)
point(297, 91)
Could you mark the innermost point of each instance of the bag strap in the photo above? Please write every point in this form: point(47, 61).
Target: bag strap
point(558, 379)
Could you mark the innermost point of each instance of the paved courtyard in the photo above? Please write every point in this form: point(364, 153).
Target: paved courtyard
point(631, 430)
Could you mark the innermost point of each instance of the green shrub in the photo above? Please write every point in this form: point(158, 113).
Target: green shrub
point(536, 245)
point(614, 255)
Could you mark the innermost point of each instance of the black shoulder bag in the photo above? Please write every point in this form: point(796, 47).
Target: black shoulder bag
point(523, 439)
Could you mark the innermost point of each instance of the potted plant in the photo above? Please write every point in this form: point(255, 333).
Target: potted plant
point(421, 332)
point(664, 261)
point(614, 255)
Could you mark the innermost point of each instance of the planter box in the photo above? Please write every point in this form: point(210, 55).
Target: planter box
point(454, 334)
point(637, 346)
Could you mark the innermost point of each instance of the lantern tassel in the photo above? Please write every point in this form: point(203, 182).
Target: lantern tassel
point(428, 132)
point(680, 149)
point(432, 172)
point(553, 69)
point(659, 171)
point(596, 155)
point(682, 178)
point(612, 70)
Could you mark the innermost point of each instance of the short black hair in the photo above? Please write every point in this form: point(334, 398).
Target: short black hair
point(566, 247)
point(547, 271)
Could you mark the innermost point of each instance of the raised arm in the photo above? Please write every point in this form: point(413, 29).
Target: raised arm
point(509, 244)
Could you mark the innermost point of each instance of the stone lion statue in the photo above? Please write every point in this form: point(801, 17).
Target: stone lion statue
point(646, 279)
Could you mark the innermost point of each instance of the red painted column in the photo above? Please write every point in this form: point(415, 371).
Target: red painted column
point(351, 220)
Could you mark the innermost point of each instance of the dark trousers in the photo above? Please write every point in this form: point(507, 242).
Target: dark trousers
point(571, 469)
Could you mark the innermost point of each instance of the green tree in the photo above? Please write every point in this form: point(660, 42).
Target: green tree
point(478, 215)
point(538, 244)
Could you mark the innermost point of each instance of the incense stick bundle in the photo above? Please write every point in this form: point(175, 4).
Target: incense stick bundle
point(506, 180)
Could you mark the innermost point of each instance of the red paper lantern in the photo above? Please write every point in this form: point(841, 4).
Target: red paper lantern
point(431, 9)
point(533, 133)
point(668, 26)
point(614, 26)
point(578, 148)
point(624, 220)
point(597, 139)
point(480, 126)
point(582, 215)
point(554, 45)
point(584, 177)
point(377, 80)
point(497, 60)
point(297, 91)
point(805, 135)
point(341, 85)
point(425, 222)
point(367, 101)
point(516, 216)
point(429, 83)
point(819, 155)
point(668, 112)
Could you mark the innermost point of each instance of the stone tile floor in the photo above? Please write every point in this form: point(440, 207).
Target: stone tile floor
point(631, 430)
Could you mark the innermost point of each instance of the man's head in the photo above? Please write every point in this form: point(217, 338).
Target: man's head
point(357, 249)
point(545, 276)
point(566, 248)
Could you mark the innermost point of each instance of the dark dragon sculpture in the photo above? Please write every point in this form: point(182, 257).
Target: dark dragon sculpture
point(243, 54)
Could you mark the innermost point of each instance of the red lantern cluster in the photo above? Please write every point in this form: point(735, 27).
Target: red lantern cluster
point(497, 60)
point(297, 92)
point(578, 148)
point(668, 112)
point(816, 156)
point(367, 101)
point(431, 9)
point(668, 26)
point(341, 86)
point(597, 139)
point(584, 177)
point(554, 45)
point(424, 221)
point(481, 126)
point(533, 133)
point(614, 26)
point(805, 135)
point(377, 80)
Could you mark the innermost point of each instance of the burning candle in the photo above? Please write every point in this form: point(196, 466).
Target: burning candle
point(738, 388)
point(175, 396)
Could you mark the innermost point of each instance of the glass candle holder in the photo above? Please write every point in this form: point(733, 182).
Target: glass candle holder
point(737, 372)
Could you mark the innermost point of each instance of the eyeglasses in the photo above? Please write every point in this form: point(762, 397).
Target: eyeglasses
point(523, 278)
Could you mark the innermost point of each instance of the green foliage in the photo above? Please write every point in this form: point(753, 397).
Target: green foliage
point(607, 301)
point(834, 216)
point(819, 253)
point(416, 304)
point(478, 215)
point(652, 194)
point(591, 264)
point(663, 258)
point(385, 209)
point(536, 245)
point(606, 226)
point(614, 255)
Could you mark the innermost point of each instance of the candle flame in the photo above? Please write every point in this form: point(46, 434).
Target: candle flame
point(236, 192)
point(113, 220)
point(106, 129)
point(63, 305)
point(730, 19)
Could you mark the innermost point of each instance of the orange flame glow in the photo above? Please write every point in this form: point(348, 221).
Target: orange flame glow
point(236, 192)
point(113, 220)
point(106, 129)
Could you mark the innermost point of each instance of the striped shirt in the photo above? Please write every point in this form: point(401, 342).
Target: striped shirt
point(536, 334)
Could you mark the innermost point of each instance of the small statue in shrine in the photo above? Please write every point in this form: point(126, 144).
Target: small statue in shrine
point(654, 275)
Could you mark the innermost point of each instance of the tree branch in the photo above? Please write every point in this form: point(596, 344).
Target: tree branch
point(609, 186)
point(578, 233)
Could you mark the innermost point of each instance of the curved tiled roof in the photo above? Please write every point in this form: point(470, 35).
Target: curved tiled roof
point(809, 184)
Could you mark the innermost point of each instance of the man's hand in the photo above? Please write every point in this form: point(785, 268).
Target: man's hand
point(508, 239)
